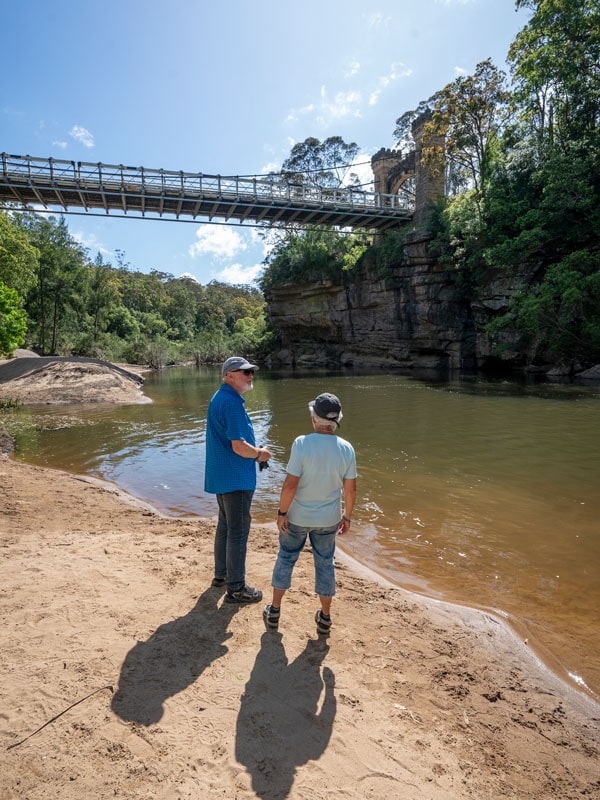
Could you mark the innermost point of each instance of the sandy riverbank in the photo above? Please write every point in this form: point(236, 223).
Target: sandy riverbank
point(107, 605)
point(31, 380)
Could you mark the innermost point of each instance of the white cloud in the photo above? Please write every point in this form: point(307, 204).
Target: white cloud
point(295, 114)
point(82, 135)
point(361, 166)
point(91, 243)
point(458, 71)
point(329, 109)
point(238, 274)
point(190, 276)
point(12, 112)
point(397, 70)
point(376, 20)
point(217, 240)
point(344, 104)
point(353, 69)
point(272, 166)
point(61, 144)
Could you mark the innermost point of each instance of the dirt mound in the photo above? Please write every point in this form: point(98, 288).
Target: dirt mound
point(68, 380)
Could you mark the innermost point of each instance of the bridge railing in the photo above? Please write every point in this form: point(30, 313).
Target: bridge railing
point(120, 178)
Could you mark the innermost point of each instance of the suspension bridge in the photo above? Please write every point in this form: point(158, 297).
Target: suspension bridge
point(118, 190)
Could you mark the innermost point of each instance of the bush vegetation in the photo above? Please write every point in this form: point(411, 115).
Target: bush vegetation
point(55, 300)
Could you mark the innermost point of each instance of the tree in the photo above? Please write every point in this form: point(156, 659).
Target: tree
point(403, 131)
point(180, 310)
point(18, 258)
point(559, 317)
point(300, 253)
point(470, 113)
point(312, 255)
point(321, 164)
point(56, 304)
point(94, 309)
point(103, 296)
point(555, 62)
point(13, 320)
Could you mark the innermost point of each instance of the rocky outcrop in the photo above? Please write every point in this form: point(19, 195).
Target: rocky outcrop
point(411, 318)
point(407, 318)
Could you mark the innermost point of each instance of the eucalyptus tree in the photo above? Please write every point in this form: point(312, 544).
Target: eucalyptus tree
point(56, 303)
point(18, 257)
point(555, 62)
point(471, 114)
point(325, 165)
point(300, 253)
point(102, 296)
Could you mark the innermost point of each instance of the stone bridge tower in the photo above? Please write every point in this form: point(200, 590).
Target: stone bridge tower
point(391, 170)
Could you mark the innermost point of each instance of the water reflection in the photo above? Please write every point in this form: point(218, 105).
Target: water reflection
point(480, 492)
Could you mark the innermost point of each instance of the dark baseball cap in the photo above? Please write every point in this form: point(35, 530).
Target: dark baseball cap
point(327, 406)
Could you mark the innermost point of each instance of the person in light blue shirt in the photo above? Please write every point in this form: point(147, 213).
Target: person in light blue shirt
point(320, 471)
point(230, 473)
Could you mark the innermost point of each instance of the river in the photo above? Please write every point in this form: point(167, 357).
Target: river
point(478, 492)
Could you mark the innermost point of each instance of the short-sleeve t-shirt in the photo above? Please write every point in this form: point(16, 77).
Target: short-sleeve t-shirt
point(322, 462)
point(227, 421)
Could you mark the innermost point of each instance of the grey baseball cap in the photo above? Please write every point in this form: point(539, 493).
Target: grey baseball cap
point(236, 363)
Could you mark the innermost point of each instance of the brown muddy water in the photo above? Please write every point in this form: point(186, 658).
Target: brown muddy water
point(480, 493)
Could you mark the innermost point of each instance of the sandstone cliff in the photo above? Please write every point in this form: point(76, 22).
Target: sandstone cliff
point(412, 318)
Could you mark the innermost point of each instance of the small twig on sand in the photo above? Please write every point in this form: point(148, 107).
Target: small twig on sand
point(76, 703)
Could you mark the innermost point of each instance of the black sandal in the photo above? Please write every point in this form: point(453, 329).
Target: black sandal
point(271, 617)
point(245, 595)
point(323, 625)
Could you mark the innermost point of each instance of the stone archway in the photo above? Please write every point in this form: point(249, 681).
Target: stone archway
point(392, 169)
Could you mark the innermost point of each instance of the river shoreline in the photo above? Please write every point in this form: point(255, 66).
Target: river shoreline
point(103, 595)
point(568, 650)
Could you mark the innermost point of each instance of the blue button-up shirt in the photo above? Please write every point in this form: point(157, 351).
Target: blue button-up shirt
point(227, 421)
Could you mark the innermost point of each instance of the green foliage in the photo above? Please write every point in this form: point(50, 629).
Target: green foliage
point(323, 164)
point(388, 252)
point(523, 171)
point(10, 403)
point(554, 60)
point(312, 255)
point(459, 236)
point(560, 316)
point(13, 320)
point(78, 307)
point(535, 215)
point(56, 304)
point(471, 114)
point(18, 258)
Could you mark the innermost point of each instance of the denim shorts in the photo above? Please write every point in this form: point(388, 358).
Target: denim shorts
point(322, 541)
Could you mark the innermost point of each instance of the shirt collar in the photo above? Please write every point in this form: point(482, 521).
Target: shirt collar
point(232, 391)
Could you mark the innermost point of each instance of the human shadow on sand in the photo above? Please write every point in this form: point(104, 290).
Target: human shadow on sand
point(280, 726)
point(172, 658)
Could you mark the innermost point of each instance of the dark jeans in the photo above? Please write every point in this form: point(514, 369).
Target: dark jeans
point(231, 537)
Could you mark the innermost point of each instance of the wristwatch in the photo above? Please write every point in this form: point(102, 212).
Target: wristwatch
point(281, 513)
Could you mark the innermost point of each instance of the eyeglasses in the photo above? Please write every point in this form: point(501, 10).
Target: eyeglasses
point(246, 371)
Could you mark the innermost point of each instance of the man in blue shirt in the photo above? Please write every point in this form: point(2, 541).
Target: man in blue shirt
point(230, 473)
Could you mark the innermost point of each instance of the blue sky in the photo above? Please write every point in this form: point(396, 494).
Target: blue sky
point(223, 88)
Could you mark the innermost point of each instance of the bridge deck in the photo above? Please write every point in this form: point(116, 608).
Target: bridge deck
point(121, 190)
